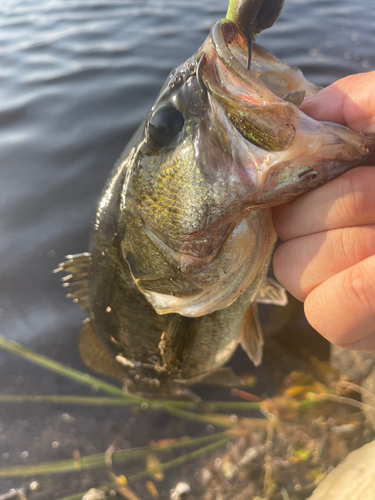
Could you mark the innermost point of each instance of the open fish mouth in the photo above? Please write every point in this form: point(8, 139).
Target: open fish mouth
point(278, 140)
point(251, 107)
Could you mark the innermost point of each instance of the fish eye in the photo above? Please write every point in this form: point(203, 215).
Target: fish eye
point(164, 125)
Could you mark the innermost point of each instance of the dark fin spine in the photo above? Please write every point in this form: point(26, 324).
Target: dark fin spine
point(77, 266)
point(296, 97)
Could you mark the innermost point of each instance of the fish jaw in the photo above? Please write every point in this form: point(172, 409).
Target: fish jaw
point(319, 153)
point(257, 113)
point(278, 151)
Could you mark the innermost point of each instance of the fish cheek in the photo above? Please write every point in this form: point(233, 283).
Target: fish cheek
point(152, 270)
point(173, 198)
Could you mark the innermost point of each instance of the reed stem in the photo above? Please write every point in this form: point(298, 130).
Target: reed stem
point(112, 401)
point(167, 465)
point(99, 460)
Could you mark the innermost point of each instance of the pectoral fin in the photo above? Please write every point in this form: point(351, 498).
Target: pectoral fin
point(224, 377)
point(77, 267)
point(271, 292)
point(95, 355)
point(296, 97)
point(251, 339)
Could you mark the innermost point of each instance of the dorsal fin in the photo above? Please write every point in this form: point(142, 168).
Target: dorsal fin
point(271, 292)
point(251, 338)
point(77, 266)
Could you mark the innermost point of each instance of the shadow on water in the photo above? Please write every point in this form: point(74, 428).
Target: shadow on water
point(76, 78)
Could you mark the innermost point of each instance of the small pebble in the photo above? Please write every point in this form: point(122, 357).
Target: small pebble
point(180, 492)
point(344, 429)
point(94, 494)
point(229, 470)
point(34, 486)
point(67, 418)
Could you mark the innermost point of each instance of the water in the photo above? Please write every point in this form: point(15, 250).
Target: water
point(76, 78)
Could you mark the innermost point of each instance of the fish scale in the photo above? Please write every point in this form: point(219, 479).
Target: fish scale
point(163, 203)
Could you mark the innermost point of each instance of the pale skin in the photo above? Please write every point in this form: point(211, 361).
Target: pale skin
point(327, 259)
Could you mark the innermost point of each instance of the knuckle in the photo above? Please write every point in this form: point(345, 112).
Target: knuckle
point(342, 307)
point(350, 200)
point(350, 243)
point(280, 222)
point(284, 271)
point(339, 244)
point(358, 290)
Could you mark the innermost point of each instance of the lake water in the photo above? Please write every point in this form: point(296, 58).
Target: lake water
point(76, 78)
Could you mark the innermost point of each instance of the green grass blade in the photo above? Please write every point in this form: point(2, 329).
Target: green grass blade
point(170, 407)
point(56, 367)
point(167, 465)
point(66, 400)
point(98, 460)
point(111, 401)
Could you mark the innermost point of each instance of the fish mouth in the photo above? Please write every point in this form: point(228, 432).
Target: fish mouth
point(278, 151)
point(258, 114)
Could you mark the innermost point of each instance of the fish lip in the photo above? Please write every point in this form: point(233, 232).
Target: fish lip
point(224, 54)
point(221, 47)
point(250, 106)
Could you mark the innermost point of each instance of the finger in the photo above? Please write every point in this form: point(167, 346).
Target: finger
point(349, 101)
point(302, 264)
point(366, 344)
point(342, 308)
point(346, 201)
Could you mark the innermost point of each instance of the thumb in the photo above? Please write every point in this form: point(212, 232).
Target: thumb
point(350, 101)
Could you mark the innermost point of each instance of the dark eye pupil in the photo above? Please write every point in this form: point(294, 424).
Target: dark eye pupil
point(164, 125)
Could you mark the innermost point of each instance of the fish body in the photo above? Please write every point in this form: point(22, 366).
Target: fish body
point(183, 236)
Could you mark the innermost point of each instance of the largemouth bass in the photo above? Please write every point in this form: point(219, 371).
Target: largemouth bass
point(182, 238)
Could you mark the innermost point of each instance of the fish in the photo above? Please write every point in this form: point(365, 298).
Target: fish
point(182, 237)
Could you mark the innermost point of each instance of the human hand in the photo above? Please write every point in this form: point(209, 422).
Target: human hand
point(327, 259)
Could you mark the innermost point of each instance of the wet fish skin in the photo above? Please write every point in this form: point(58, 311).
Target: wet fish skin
point(182, 237)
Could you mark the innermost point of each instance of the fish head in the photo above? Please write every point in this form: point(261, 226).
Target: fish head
point(217, 149)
